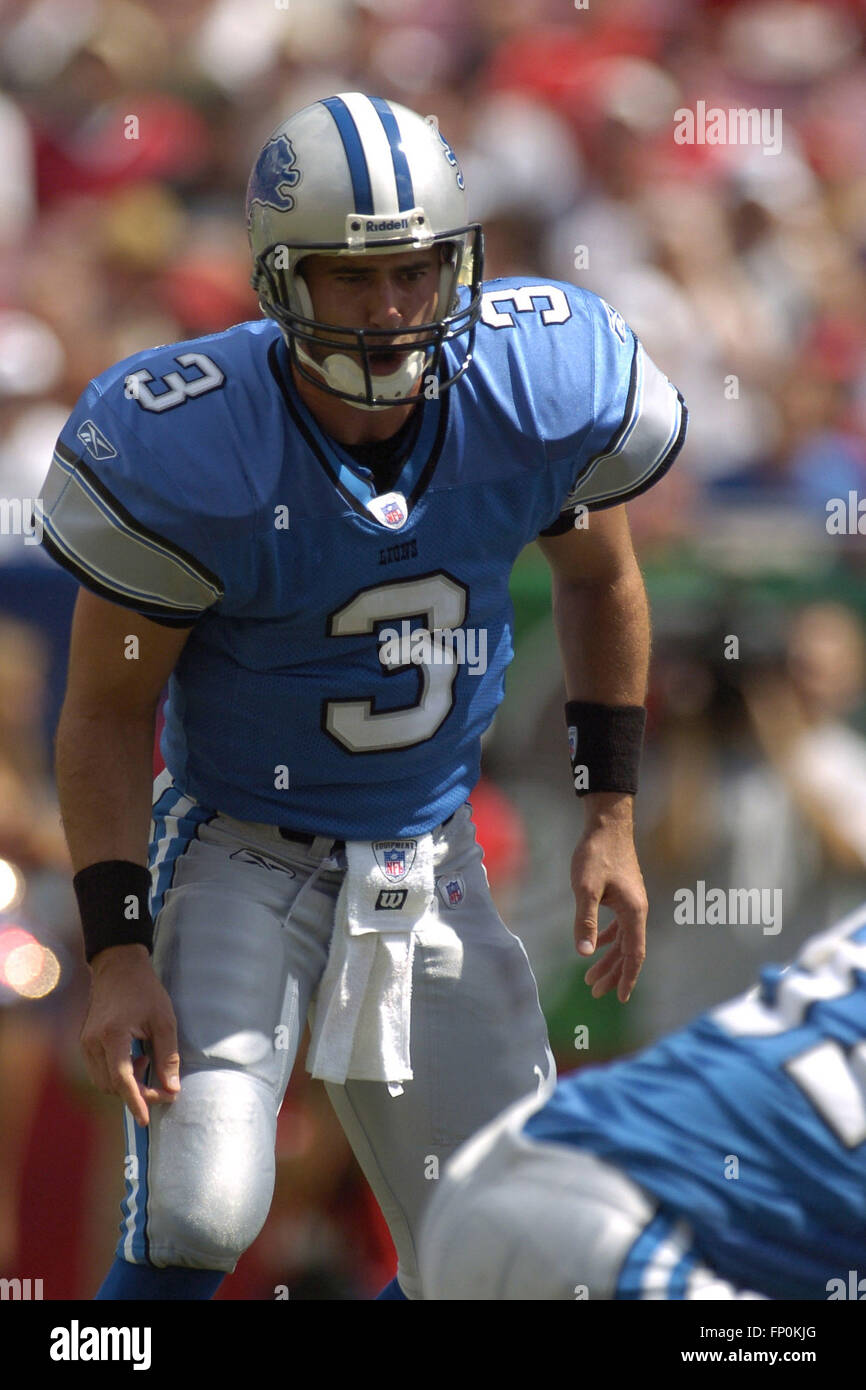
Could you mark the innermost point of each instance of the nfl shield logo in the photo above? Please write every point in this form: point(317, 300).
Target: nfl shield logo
point(572, 742)
point(391, 509)
point(452, 890)
point(395, 857)
point(395, 863)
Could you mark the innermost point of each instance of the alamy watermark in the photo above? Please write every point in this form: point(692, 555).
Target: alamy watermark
point(729, 907)
point(21, 1290)
point(846, 516)
point(22, 516)
point(853, 1288)
point(736, 126)
point(438, 646)
point(77, 1343)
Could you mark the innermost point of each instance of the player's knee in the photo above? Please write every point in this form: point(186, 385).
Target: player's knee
point(211, 1172)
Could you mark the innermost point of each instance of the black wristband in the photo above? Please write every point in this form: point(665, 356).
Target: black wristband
point(605, 743)
point(113, 902)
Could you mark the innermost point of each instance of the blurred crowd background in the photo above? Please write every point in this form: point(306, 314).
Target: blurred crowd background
point(744, 273)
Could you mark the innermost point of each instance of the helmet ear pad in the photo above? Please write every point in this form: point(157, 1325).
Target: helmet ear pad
point(449, 277)
point(299, 296)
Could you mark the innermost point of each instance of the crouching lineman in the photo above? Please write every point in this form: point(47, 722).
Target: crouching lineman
point(727, 1161)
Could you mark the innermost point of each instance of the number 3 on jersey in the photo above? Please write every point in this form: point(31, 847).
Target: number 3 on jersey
point(523, 300)
point(441, 602)
point(177, 388)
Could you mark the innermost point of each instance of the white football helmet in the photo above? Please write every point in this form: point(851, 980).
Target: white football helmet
point(350, 175)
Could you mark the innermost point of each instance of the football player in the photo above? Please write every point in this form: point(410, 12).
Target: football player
point(728, 1161)
point(306, 524)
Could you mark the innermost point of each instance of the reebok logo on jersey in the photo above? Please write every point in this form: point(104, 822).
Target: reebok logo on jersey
point(95, 441)
point(392, 898)
point(249, 856)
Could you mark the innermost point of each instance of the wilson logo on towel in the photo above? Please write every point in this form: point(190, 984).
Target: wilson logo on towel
point(391, 898)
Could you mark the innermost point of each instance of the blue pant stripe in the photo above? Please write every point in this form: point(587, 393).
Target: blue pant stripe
point(680, 1276)
point(640, 1256)
point(187, 815)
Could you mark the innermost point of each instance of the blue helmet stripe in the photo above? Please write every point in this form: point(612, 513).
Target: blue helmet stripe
point(361, 190)
point(402, 174)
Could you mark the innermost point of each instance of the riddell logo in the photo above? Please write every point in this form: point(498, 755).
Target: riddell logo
point(391, 898)
point(393, 224)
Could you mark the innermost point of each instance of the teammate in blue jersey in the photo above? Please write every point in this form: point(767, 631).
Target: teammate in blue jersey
point(728, 1161)
point(306, 525)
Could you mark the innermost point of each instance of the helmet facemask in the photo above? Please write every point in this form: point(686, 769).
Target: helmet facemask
point(345, 368)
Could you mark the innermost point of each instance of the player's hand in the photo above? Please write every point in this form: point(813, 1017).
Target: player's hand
point(127, 1001)
point(605, 872)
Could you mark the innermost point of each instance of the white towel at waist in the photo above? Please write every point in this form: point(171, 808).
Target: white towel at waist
point(362, 1013)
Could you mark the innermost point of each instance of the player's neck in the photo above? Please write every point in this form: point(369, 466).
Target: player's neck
point(344, 422)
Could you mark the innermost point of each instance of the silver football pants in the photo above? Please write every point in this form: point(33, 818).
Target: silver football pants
point(243, 924)
point(515, 1218)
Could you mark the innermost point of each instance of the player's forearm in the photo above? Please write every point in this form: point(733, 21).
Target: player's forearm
point(603, 630)
point(104, 770)
point(604, 637)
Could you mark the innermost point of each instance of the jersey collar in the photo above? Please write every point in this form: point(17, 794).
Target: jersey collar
point(354, 482)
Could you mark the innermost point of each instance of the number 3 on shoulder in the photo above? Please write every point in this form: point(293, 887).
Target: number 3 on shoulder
point(178, 388)
point(522, 299)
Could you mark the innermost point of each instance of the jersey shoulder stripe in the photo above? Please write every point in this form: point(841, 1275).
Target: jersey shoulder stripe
point(644, 445)
point(89, 531)
point(575, 377)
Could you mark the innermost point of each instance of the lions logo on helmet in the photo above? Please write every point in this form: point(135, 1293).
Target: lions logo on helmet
point(378, 179)
point(274, 174)
point(452, 158)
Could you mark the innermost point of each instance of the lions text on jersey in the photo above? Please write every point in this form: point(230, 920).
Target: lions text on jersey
point(192, 485)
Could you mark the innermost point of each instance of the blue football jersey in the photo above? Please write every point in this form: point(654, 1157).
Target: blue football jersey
point(346, 652)
point(750, 1123)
